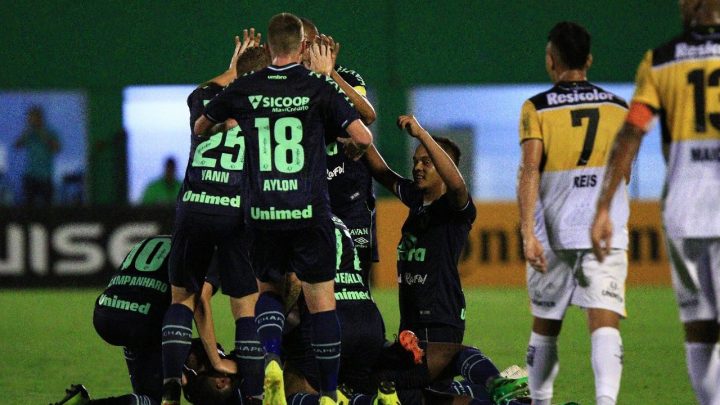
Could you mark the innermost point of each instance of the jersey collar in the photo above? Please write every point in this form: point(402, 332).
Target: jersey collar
point(281, 68)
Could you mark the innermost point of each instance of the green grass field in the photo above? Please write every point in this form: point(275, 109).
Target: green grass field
point(47, 341)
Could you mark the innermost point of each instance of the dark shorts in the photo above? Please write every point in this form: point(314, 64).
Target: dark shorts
point(436, 332)
point(145, 369)
point(308, 252)
point(363, 336)
point(123, 328)
point(197, 238)
point(360, 222)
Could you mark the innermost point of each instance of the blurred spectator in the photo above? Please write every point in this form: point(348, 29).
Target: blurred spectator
point(6, 194)
point(41, 145)
point(164, 190)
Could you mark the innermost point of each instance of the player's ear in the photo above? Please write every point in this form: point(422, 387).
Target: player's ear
point(589, 62)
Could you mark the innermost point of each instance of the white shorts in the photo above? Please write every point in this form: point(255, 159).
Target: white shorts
point(575, 277)
point(696, 277)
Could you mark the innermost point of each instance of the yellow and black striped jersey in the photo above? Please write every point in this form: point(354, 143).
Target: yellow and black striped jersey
point(577, 123)
point(681, 81)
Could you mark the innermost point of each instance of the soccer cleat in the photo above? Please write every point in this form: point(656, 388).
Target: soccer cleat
point(411, 343)
point(504, 390)
point(387, 395)
point(514, 371)
point(274, 385)
point(344, 393)
point(75, 395)
point(171, 393)
point(326, 401)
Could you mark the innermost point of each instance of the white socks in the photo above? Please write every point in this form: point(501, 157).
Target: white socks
point(543, 367)
point(702, 363)
point(607, 359)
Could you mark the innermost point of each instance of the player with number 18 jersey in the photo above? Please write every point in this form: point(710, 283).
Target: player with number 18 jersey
point(282, 112)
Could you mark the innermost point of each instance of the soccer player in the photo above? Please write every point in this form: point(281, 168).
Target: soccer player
point(363, 330)
point(209, 222)
point(432, 303)
point(565, 136)
point(129, 313)
point(350, 187)
point(282, 110)
point(679, 82)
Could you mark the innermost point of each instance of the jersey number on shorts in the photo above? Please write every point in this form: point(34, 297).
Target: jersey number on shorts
point(593, 116)
point(288, 155)
point(697, 79)
point(150, 257)
point(228, 161)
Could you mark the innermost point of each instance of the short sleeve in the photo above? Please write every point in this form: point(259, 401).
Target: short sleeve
point(646, 91)
point(354, 79)
point(342, 112)
point(407, 192)
point(197, 100)
point(219, 108)
point(529, 122)
point(467, 213)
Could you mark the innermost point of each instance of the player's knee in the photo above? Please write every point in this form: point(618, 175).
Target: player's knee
point(243, 306)
point(320, 297)
point(602, 318)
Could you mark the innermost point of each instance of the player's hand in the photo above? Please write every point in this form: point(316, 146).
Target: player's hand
point(534, 253)
point(226, 366)
point(601, 234)
point(250, 40)
point(321, 58)
point(411, 124)
point(334, 47)
point(352, 150)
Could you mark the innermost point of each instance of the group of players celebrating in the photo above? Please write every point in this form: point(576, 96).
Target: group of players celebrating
point(279, 177)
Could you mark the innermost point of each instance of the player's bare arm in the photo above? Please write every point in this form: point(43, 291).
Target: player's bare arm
point(528, 186)
point(380, 171)
point(359, 141)
point(250, 40)
point(446, 168)
point(205, 127)
point(206, 330)
point(362, 104)
point(623, 153)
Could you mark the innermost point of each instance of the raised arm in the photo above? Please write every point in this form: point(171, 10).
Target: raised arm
point(528, 186)
point(362, 105)
point(250, 40)
point(380, 171)
point(446, 168)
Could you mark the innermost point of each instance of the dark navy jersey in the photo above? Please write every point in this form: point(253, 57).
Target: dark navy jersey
point(140, 287)
point(214, 174)
point(433, 236)
point(349, 182)
point(351, 284)
point(283, 113)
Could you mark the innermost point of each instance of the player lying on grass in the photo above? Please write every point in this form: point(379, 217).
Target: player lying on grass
point(370, 368)
point(129, 313)
point(202, 384)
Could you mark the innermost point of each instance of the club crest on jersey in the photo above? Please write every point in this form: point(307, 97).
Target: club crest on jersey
point(280, 104)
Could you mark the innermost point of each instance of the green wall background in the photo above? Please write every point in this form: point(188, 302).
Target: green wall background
point(103, 46)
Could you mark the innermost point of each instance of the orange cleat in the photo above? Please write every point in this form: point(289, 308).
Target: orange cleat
point(410, 342)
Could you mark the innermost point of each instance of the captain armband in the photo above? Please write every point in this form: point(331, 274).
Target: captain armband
point(640, 115)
